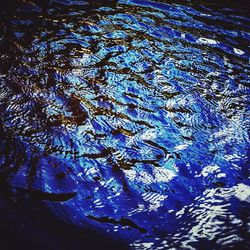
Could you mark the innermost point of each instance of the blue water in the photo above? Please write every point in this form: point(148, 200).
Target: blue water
point(130, 118)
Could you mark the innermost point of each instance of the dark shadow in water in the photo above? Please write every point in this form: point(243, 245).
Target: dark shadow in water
point(27, 224)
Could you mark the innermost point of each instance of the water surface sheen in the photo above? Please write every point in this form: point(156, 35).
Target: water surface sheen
point(130, 117)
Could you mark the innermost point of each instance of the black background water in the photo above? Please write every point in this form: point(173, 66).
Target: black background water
point(125, 121)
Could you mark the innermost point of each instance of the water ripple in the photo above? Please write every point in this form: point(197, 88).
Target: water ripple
point(131, 116)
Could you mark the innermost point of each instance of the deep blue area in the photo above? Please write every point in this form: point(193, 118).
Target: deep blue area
point(128, 120)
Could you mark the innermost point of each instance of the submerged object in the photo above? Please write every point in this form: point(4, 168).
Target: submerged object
point(129, 118)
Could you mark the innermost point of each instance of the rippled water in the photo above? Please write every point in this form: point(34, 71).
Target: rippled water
point(130, 117)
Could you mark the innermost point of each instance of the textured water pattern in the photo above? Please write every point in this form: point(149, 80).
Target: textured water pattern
point(131, 117)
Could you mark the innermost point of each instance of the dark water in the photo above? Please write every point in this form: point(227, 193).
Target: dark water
point(128, 119)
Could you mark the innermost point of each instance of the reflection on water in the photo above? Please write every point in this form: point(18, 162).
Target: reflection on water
point(130, 117)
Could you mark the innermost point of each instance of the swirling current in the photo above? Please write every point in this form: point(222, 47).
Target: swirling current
point(129, 118)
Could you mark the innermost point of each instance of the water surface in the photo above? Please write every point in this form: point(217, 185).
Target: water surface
point(130, 117)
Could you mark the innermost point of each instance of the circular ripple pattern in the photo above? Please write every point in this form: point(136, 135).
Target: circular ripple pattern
point(130, 117)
